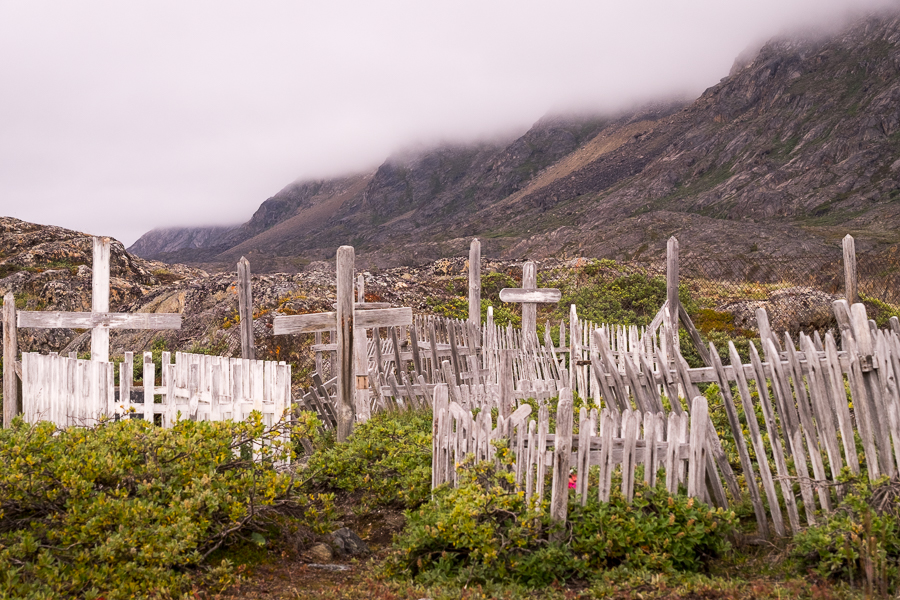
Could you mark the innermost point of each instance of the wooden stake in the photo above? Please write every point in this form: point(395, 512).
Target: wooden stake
point(10, 355)
point(345, 381)
point(475, 282)
point(851, 291)
point(559, 503)
point(672, 291)
point(245, 310)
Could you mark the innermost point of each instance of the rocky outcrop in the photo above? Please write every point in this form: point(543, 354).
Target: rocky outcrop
point(791, 309)
point(48, 268)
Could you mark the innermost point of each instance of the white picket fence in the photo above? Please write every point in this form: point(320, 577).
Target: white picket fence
point(68, 391)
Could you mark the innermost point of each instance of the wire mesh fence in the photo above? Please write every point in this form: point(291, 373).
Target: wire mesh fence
point(797, 292)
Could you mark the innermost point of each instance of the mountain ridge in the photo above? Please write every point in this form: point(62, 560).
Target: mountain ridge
point(797, 146)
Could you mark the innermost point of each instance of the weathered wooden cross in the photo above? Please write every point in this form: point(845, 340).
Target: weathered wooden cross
point(347, 322)
point(530, 295)
point(99, 320)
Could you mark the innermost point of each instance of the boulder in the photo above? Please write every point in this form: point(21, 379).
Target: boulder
point(346, 542)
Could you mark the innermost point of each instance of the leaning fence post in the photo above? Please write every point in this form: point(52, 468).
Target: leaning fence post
point(475, 282)
point(245, 310)
point(559, 495)
point(10, 355)
point(851, 291)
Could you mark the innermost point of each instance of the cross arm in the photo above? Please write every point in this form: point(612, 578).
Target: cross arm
point(542, 295)
point(89, 320)
point(311, 323)
point(327, 321)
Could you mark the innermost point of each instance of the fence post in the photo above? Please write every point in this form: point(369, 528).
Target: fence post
point(506, 383)
point(851, 291)
point(697, 459)
point(361, 358)
point(245, 310)
point(10, 355)
point(672, 291)
point(559, 495)
point(475, 282)
point(346, 258)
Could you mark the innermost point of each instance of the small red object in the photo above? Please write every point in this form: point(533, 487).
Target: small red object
point(573, 478)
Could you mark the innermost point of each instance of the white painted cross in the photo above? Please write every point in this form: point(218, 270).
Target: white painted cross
point(530, 295)
point(347, 322)
point(99, 320)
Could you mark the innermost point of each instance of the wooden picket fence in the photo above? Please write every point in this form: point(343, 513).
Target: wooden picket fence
point(676, 444)
point(68, 391)
point(814, 399)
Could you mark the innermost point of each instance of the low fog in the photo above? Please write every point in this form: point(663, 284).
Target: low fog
point(120, 117)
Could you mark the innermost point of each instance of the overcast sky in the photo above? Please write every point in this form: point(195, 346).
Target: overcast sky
point(118, 117)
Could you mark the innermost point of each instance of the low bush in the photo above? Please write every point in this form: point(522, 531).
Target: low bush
point(485, 531)
point(127, 509)
point(860, 541)
point(387, 459)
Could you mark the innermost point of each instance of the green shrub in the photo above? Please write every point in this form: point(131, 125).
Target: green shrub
point(452, 308)
point(485, 531)
point(860, 541)
point(127, 509)
point(879, 310)
point(387, 459)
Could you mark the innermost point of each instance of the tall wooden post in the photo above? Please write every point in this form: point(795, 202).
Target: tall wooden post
point(672, 291)
point(10, 355)
point(245, 310)
point(851, 292)
point(361, 358)
point(475, 282)
point(100, 299)
point(529, 309)
point(346, 379)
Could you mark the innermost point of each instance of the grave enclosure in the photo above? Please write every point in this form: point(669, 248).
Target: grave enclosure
point(384, 358)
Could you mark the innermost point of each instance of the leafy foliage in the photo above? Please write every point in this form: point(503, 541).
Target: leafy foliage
point(485, 531)
point(857, 542)
point(127, 509)
point(387, 459)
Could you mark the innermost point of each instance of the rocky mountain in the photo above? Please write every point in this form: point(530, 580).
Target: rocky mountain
point(797, 146)
point(172, 239)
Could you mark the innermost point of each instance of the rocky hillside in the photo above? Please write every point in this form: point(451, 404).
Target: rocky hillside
point(796, 147)
point(49, 268)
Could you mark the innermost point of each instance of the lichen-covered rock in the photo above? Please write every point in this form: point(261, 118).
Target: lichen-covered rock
point(792, 309)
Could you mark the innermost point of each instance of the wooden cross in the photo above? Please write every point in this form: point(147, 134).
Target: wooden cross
point(530, 295)
point(99, 321)
point(347, 322)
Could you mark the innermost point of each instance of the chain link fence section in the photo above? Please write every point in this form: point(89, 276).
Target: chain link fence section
point(724, 291)
point(797, 292)
point(878, 278)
